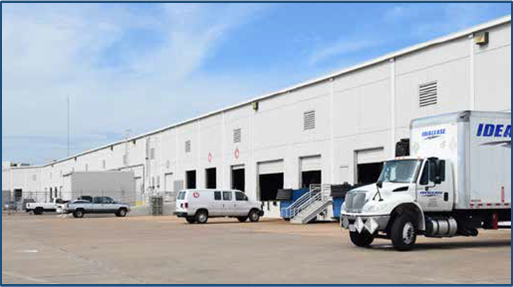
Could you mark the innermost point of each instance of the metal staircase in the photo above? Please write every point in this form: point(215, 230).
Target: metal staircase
point(310, 205)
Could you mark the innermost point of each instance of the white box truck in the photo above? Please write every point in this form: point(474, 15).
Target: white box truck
point(119, 185)
point(456, 180)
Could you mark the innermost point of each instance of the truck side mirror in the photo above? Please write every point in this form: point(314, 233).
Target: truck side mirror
point(440, 171)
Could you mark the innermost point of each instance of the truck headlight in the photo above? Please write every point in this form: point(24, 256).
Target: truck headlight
point(374, 207)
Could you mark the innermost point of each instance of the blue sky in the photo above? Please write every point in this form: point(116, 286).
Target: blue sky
point(145, 66)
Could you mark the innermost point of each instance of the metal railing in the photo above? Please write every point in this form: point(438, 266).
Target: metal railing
point(317, 193)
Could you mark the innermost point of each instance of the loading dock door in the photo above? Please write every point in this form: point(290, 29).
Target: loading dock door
point(211, 180)
point(270, 179)
point(238, 177)
point(310, 171)
point(190, 179)
point(369, 163)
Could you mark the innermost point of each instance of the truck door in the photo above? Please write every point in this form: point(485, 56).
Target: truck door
point(228, 203)
point(435, 194)
point(241, 204)
point(217, 205)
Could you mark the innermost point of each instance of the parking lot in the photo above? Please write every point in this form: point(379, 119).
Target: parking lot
point(166, 250)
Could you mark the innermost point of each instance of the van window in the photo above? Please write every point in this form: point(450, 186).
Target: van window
point(227, 195)
point(239, 196)
point(181, 195)
point(217, 195)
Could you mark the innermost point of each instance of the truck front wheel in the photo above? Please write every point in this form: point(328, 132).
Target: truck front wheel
point(363, 239)
point(403, 232)
point(121, 212)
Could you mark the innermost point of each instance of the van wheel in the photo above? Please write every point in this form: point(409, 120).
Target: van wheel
point(254, 216)
point(363, 239)
point(403, 232)
point(202, 217)
point(38, 211)
point(121, 212)
point(79, 213)
point(190, 219)
point(242, 218)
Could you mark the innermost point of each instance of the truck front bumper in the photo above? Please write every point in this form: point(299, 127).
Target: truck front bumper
point(358, 223)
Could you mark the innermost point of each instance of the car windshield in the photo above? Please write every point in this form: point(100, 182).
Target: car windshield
point(400, 171)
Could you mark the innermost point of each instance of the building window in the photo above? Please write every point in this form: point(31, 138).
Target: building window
point(428, 94)
point(309, 120)
point(237, 135)
point(188, 146)
point(152, 153)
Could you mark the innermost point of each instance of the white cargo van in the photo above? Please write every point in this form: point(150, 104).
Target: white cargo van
point(197, 205)
point(457, 179)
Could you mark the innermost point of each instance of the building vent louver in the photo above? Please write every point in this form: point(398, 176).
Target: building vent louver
point(188, 146)
point(237, 135)
point(309, 120)
point(428, 94)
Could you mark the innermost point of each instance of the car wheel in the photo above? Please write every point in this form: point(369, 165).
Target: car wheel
point(254, 216)
point(38, 211)
point(78, 213)
point(121, 212)
point(190, 219)
point(403, 232)
point(363, 239)
point(202, 217)
point(242, 218)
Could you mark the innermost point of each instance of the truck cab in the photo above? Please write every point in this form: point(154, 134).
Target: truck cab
point(407, 183)
point(457, 179)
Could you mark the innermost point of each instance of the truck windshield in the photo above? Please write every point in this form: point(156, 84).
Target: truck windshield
point(400, 171)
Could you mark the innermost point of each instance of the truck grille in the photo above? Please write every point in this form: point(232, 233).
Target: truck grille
point(355, 201)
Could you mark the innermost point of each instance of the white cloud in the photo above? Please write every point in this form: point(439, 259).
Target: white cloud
point(340, 48)
point(51, 51)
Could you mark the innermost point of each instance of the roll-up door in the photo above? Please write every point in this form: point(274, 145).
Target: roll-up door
point(270, 167)
point(370, 155)
point(311, 163)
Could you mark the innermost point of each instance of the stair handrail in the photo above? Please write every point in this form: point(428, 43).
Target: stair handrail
point(304, 201)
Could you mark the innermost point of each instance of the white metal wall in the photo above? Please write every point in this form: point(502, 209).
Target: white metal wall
point(368, 108)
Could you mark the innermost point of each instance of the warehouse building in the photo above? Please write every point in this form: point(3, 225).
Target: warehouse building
point(334, 129)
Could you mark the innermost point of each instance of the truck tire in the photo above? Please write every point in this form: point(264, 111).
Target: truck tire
point(242, 218)
point(190, 219)
point(254, 215)
point(38, 211)
point(202, 216)
point(403, 232)
point(363, 239)
point(121, 212)
point(79, 213)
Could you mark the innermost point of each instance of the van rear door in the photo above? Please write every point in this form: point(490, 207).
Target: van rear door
point(181, 202)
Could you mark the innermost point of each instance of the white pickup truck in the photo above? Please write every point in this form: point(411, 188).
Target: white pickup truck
point(456, 180)
point(39, 207)
point(101, 204)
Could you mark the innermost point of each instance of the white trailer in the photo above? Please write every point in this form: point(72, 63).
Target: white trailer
point(457, 179)
point(120, 185)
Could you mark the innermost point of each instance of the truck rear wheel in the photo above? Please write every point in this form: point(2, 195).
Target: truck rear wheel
point(242, 219)
point(38, 211)
point(190, 219)
point(79, 213)
point(363, 239)
point(403, 232)
point(202, 216)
